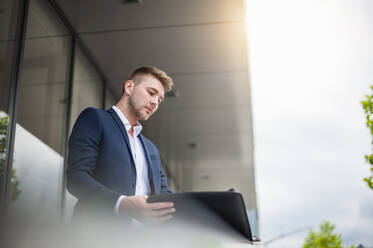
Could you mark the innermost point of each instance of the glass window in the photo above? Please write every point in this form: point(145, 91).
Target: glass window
point(39, 137)
point(87, 86)
point(8, 20)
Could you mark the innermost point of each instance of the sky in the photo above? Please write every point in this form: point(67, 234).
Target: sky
point(311, 63)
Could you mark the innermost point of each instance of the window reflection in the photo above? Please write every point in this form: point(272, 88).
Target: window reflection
point(87, 86)
point(8, 20)
point(39, 135)
point(38, 168)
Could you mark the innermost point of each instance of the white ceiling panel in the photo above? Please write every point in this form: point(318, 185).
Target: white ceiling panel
point(212, 164)
point(227, 149)
point(200, 121)
point(182, 50)
point(222, 180)
point(210, 90)
point(98, 15)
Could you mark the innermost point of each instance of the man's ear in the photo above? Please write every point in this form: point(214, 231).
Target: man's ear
point(128, 87)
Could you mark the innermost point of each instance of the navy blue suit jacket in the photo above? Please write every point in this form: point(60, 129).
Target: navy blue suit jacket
point(100, 166)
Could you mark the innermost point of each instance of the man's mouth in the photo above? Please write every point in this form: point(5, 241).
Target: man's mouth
point(149, 110)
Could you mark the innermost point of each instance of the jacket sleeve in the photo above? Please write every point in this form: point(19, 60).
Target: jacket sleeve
point(164, 186)
point(84, 148)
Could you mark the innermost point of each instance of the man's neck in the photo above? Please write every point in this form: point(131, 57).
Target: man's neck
point(123, 107)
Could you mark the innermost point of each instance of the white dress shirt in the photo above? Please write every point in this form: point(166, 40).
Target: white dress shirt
point(138, 154)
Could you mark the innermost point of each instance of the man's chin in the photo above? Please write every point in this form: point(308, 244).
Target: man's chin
point(144, 117)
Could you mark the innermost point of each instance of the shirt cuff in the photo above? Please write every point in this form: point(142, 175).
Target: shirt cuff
point(117, 204)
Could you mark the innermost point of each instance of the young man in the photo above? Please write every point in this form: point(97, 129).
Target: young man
point(111, 166)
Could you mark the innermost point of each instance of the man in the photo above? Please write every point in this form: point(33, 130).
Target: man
point(111, 166)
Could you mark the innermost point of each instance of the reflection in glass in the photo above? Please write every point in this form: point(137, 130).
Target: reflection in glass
point(8, 19)
point(39, 136)
point(87, 86)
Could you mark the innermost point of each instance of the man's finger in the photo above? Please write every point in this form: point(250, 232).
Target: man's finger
point(162, 212)
point(160, 205)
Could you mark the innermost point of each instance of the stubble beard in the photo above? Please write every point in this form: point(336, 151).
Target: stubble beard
point(136, 110)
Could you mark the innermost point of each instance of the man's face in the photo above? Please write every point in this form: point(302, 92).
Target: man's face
point(145, 97)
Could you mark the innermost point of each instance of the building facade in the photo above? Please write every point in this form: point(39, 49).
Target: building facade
point(59, 57)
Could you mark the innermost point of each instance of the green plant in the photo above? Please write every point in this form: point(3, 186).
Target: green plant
point(3, 132)
point(368, 109)
point(325, 238)
point(14, 183)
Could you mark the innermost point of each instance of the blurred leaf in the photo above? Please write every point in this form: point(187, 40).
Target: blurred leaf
point(325, 238)
point(14, 183)
point(367, 105)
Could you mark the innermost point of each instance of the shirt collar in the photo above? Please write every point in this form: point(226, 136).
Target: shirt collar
point(136, 129)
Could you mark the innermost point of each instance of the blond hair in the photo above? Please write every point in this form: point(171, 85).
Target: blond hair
point(162, 76)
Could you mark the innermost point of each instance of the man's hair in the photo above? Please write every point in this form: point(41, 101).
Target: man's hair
point(166, 80)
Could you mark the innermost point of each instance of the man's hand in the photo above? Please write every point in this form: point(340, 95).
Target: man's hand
point(146, 212)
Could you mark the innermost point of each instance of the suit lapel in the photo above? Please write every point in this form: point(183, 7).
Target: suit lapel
point(150, 167)
point(123, 131)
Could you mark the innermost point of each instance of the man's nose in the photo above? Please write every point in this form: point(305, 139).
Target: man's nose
point(154, 102)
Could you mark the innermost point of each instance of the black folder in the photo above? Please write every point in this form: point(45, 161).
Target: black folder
point(211, 209)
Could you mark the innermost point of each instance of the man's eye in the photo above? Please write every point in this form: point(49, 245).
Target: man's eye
point(151, 93)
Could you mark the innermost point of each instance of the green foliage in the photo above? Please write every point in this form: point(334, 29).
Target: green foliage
point(3, 131)
point(368, 110)
point(15, 191)
point(14, 183)
point(325, 238)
